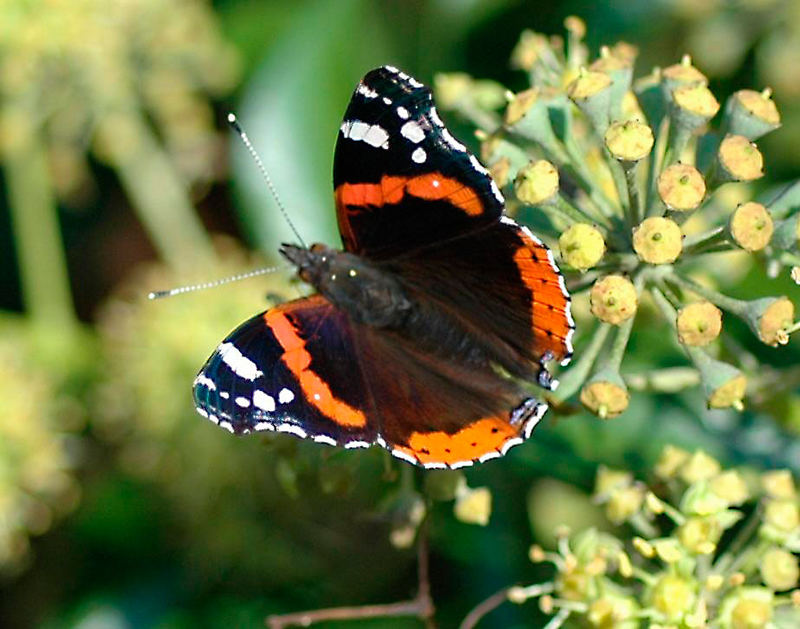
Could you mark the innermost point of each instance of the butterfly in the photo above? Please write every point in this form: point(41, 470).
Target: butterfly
point(423, 329)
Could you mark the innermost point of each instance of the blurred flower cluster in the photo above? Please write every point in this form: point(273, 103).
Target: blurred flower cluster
point(39, 447)
point(642, 196)
point(710, 547)
point(763, 35)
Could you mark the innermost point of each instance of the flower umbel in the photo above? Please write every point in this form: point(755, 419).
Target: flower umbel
point(628, 174)
point(701, 552)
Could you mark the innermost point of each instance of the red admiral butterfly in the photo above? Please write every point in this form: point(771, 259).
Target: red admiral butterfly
point(424, 325)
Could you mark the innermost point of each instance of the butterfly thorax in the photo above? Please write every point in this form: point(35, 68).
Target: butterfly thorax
point(368, 294)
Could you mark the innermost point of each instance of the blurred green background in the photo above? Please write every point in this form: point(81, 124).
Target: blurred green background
point(119, 507)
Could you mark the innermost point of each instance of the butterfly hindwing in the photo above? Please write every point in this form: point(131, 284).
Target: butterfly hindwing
point(287, 370)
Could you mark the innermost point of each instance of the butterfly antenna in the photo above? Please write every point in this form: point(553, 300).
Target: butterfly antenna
point(246, 140)
point(159, 294)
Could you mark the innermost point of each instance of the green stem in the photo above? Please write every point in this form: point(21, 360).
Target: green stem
point(159, 197)
point(635, 208)
point(656, 162)
point(730, 304)
point(697, 243)
point(34, 214)
point(667, 380)
point(576, 375)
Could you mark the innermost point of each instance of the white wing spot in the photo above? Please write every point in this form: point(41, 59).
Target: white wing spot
point(366, 91)
point(227, 426)
point(263, 401)
point(292, 429)
point(435, 183)
point(419, 155)
point(240, 364)
point(285, 396)
point(264, 426)
point(357, 444)
point(242, 401)
point(202, 411)
point(403, 112)
point(412, 131)
point(207, 382)
point(374, 135)
point(387, 100)
point(224, 395)
point(325, 439)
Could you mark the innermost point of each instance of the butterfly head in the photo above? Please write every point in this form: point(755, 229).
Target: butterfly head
point(366, 292)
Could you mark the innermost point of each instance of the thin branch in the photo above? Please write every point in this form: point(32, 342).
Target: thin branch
point(420, 606)
point(483, 608)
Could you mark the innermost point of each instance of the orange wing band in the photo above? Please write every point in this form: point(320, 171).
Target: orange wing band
point(391, 190)
point(297, 360)
point(551, 325)
point(470, 443)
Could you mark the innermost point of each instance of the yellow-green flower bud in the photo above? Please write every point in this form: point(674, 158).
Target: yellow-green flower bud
point(605, 398)
point(643, 547)
point(670, 461)
point(747, 608)
point(740, 159)
point(730, 486)
point(699, 499)
point(624, 503)
point(699, 323)
point(499, 171)
point(779, 569)
point(451, 88)
point(608, 480)
point(613, 611)
point(588, 85)
point(681, 187)
point(520, 104)
point(668, 550)
point(537, 183)
point(779, 484)
point(696, 100)
point(576, 26)
point(724, 384)
point(699, 466)
point(657, 240)
point(673, 596)
point(752, 114)
point(699, 535)
point(770, 318)
point(582, 246)
point(536, 554)
point(629, 141)
point(473, 506)
point(751, 226)
point(781, 520)
point(573, 583)
point(591, 92)
point(613, 299)
point(528, 50)
point(683, 73)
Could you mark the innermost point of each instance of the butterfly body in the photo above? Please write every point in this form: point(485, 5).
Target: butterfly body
point(423, 330)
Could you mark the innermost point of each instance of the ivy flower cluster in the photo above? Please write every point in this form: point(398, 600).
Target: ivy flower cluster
point(710, 547)
point(628, 179)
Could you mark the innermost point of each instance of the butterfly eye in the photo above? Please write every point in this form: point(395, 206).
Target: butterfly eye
point(305, 275)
